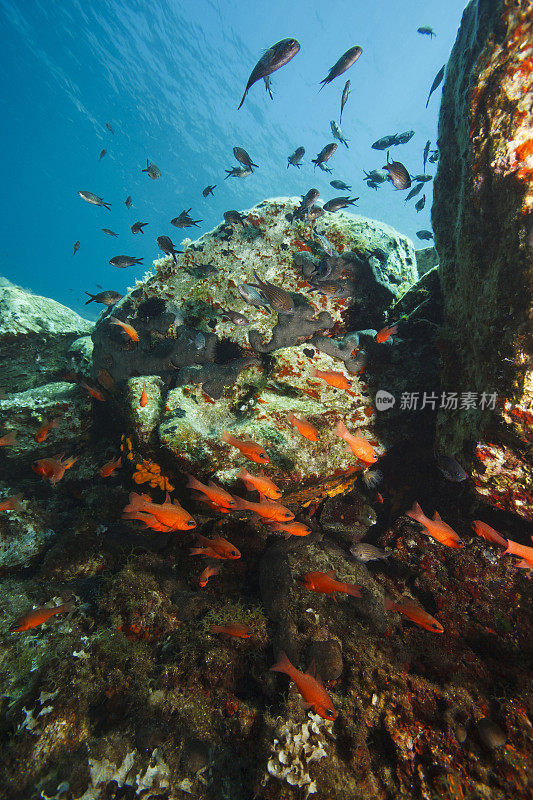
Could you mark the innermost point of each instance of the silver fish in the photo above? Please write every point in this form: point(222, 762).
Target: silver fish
point(237, 172)
point(242, 156)
point(93, 199)
point(337, 132)
point(153, 171)
point(344, 98)
point(345, 62)
point(251, 295)
point(325, 154)
point(368, 552)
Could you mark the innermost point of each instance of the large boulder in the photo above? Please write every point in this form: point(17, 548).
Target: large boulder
point(483, 221)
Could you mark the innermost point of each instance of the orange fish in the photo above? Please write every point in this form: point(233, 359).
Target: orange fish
point(521, 550)
point(413, 612)
point(335, 379)
point(488, 533)
point(108, 469)
point(248, 448)
point(221, 546)
point(149, 521)
point(215, 493)
point(236, 629)
point(144, 397)
point(53, 469)
point(45, 429)
point(263, 485)
point(39, 615)
point(126, 327)
point(8, 438)
point(265, 509)
point(207, 573)
point(385, 333)
point(202, 498)
point(304, 427)
point(435, 527)
point(326, 583)
point(11, 503)
point(208, 552)
point(93, 391)
point(309, 687)
point(359, 446)
point(168, 513)
point(290, 528)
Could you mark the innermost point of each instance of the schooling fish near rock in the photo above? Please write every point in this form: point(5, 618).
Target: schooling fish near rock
point(275, 57)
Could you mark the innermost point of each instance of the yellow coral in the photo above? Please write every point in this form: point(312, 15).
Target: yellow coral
point(149, 471)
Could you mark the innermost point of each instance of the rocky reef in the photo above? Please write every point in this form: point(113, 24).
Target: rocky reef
point(483, 221)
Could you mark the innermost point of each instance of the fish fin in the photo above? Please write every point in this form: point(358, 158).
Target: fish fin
point(311, 669)
point(243, 97)
point(437, 517)
point(416, 513)
point(282, 664)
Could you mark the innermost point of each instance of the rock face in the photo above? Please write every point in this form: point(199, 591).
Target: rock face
point(483, 221)
point(217, 375)
point(34, 329)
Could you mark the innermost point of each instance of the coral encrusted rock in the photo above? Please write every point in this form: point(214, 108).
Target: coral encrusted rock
point(483, 221)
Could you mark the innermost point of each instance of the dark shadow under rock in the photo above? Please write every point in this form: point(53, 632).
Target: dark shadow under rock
point(214, 377)
point(292, 329)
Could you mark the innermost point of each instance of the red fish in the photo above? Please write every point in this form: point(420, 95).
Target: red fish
point(357, 444)
point(309, 687)
point(414, 613)
point(170, 514)
point(235, 629)
point(385, 333)
point(265, 509)
point(53, 469)
point(248, 448)
point(108, 469)
point(290, 528)
point(326, 583)
point(39, 615)
point(221, 546)
point(213, 492)
point(149, 521)
point(304, 427)
point(208, 552)
point(263, 485)
point(207, 573)
point(144, 396)
point(335, 379)
point(435, 527)
point(11, 503)
point(8, 438)
point(202, 498)
point(488, 533)
point(126, 327)
point(93, 391)
point(45, 429)
point(521, 550)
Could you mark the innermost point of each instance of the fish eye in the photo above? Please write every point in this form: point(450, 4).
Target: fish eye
point(191, 523)
point(263, 456)
point(288, 515)
point(233, 553)
point(330, 712)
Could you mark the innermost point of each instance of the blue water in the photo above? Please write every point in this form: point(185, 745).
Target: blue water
point(168, 76)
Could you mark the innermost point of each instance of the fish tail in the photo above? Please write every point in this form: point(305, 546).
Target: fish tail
point(341, 429)
point(227, 437)
point(509, 549)
point(193, 483)
point(107, 205)
point(197, 551)
point(136, 502)
point(243, 97)
point(91, 298)
point(240, 504)
point(283, 664)
point(389, 604)
point(354, 591)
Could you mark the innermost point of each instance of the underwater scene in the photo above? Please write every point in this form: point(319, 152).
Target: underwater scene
point(266, 400)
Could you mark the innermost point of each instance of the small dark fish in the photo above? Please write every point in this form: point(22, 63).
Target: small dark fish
point(184, 220)
point(314, 213)
point(433, 157)
point(209, 190)
point(201, 271)
point(398, 174)
point(242, 156)
point(339, 202)
point(421, 203)
point(426, 31)
point(153, 171)
point(268, 86)
point(344, 98)
point(251, 295)
point(436, 83)
point(450, 468)
point(237, 172)
point(424, 234)
point(422, 178)
point(76, 248)
point(414, 192)
point(377, 175)
point(278, 298)
point(109, 232)
point(403, 138)
point(296, 157)
point(102, 154)
point(372, 185)
point(234, 218)
point(93, 199)
point(343, 187)
point(323, 167)
point(124, 261)
point(385, 142)
point(344, 63)
point(166, 245)
point(325, 154)
point(274, 58)
point(128, 202)
point(367, 552)
point(426, 153)
point(337, 133)
point(137, 227)
point(109, 128)
point(108, 297)
point(309, 199)
point(235, 317)
point(329, 288)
